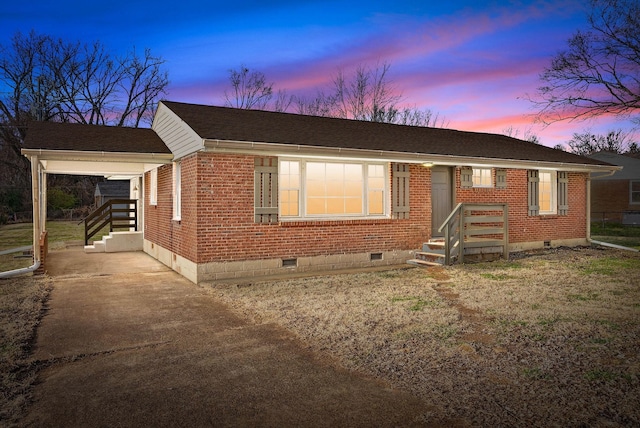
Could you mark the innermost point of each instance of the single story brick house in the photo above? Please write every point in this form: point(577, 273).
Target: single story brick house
point(233, 193)
point(616, 198)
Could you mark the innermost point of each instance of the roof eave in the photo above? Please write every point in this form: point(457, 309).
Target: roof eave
point(297, 150)
point(78, 155)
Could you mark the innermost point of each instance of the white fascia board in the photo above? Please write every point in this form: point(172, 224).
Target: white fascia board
point(302, 151)
point(86, 156)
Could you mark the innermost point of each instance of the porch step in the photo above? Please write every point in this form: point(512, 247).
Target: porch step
point(117, 242)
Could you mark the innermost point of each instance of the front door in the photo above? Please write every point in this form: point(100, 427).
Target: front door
point(441, 197)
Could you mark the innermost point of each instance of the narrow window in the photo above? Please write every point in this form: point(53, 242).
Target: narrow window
point(375, 189)
point(153, 186)
point(635, 192)
point(547, 192)
point(177, 191)
point(289, 188)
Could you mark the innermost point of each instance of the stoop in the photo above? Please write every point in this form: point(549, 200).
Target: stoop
point(117, 242)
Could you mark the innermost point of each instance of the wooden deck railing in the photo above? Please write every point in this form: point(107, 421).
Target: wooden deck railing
point(117, 213)
point(475, 226)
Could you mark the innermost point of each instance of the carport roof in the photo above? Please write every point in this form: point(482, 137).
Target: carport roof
point(92, 138)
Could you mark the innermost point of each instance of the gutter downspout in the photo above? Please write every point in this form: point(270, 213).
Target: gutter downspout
point(10, 273)
point(591, 241)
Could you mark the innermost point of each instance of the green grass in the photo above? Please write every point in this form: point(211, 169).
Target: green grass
point(615, 233)
point(609, 266)
point(21, 234)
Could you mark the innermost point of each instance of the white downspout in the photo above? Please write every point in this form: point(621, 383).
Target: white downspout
point(591, 241)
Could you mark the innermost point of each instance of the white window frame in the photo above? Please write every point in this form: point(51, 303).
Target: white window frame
point(631, 192)
point(302, 194)
point(477, 175)
point(553, 175)
point(177, 191)
point(153, 186)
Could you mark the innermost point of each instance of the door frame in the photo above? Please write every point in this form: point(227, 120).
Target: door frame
point(452, 195)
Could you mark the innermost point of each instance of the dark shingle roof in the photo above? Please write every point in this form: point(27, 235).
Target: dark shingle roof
point(225, 123)
point(113, 188)
point(92, 138)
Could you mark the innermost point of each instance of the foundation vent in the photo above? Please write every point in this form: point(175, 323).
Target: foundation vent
point(289, 262)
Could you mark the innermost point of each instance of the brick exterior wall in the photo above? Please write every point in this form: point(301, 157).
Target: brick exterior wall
point(217, 223)
point(609, 199)
point(525, 228)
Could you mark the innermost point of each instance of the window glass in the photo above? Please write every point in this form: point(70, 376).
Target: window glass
point(482, 177)
point(153, 187)
point(289, 183)
point(177, 191)
point(332, 189)
point(635, 192)
point(547, 192)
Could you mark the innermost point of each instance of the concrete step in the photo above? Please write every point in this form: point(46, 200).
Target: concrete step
point(97, 247)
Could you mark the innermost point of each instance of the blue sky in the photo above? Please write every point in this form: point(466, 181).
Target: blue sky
point(472, 62)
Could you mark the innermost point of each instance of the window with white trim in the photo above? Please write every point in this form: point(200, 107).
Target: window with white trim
point(153, 187)
point(634, 188)
point(547, 192)
point(319, 189)
point(177, 191)
point(482, 177)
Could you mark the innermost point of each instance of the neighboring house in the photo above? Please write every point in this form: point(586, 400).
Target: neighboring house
point(251, 193)
point(111, 189)
point(616, 198)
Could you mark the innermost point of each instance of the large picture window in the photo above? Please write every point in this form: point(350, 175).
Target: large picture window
point(317, 189)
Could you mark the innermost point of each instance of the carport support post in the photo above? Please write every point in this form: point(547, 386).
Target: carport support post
point(35, 194)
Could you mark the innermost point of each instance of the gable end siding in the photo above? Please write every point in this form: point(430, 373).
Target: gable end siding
point(176, 134)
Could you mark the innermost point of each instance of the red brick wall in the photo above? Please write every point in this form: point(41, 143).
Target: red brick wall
point(525, 228)
point(159, 226)
point(218, 216)
point(224, 229)
point(609, 198)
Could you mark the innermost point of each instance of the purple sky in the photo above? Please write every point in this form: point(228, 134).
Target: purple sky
point(471, 62)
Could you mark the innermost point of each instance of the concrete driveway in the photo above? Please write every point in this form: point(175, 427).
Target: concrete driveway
point(126, 342)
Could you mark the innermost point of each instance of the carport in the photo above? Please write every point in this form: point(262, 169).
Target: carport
point(80, 149)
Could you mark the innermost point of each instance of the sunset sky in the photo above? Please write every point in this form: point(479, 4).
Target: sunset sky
point(472, 62)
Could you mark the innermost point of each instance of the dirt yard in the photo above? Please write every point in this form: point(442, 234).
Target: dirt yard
point(549, 338)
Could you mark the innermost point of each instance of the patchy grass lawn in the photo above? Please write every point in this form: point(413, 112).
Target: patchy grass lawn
point(550, 338)
point(21, 306)
point(614, 233)
point(61, 233)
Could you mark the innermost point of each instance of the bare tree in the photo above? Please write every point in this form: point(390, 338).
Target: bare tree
point(599, 72)
point(586, 143)
point(527, 135)
point(249, 89)
point(367, 95)
point(51, 79)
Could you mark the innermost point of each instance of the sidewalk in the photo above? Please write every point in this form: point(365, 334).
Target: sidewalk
point(127, 342)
